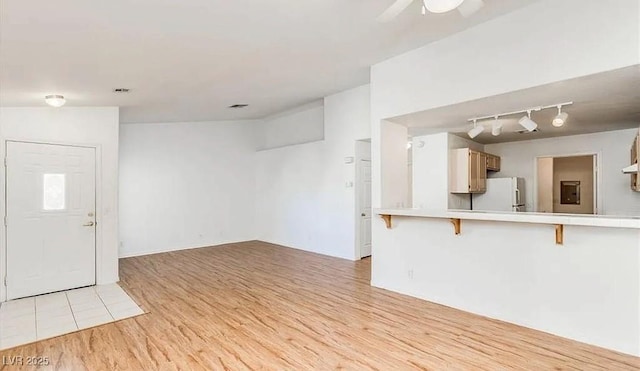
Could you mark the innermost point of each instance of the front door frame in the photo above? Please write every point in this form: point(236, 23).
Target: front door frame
point(98, 208)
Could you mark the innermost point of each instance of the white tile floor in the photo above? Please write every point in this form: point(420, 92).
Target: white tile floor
point(27, 320)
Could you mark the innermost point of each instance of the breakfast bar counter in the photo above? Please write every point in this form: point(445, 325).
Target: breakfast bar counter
point(584, 284)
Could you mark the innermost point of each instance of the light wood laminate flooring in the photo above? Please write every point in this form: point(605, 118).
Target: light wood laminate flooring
point(255, 305)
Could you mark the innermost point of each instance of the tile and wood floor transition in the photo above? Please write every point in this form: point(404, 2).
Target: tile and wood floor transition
point(259, 306)
point(41, 317)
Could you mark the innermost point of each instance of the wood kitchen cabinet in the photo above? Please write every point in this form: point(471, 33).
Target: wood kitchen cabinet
point(468, 171)
point(493, 162)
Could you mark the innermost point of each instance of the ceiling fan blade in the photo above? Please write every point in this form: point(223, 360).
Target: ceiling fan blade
point(470, 7)
point(396, 8)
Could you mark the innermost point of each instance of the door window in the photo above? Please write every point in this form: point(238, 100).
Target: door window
point(54, 192)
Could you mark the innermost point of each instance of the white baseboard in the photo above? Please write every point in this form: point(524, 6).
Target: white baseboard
point(131, 254)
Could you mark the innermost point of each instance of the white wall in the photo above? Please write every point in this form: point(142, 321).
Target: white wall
point(303, 124)
point(587, 290)
point(430, 171)
point(612, 147)
point(185, 185)
point(395, 157)
point(302, 196)
point(93, 126)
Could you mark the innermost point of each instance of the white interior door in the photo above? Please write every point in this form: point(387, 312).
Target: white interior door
point(50, 221)
point(365, 207)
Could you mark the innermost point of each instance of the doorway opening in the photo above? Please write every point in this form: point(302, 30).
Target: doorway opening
point(363, 199)
point(567, 184)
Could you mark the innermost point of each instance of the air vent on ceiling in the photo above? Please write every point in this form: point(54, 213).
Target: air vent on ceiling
point(121, 90)
point(238, 106)
point(525, 131)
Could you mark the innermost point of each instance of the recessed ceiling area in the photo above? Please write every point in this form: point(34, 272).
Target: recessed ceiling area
point(602, 102)
point(190, 60)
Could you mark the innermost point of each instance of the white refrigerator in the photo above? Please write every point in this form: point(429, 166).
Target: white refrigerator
point(503, 194)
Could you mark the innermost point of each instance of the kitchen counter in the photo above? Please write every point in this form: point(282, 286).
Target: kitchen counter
point(610, 221)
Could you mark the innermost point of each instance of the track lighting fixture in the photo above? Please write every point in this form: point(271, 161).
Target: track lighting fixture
point(476, 130)
point(561, 118)
point(496, 128)
point(527, 123)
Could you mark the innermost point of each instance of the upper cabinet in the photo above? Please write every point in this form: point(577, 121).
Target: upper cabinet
point(493, 162)
point(468, 173)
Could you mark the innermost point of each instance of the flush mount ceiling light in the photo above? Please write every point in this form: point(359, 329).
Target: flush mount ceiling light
point(561, 118)
point(55, 100)
point(496, 128)
point(527, 123)
point(441, 6)
point(476, 130)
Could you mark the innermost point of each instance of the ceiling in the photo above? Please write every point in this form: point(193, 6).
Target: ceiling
point(190, 60)
point(602, 102)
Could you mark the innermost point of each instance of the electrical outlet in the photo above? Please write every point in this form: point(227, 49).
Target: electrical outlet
point(410, 273)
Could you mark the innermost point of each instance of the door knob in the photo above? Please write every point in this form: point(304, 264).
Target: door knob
point(90, 224)
point(363, 214)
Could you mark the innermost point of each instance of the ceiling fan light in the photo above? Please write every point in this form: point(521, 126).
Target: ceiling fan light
point(560, 119)
point(55, 100)
point(477, 130)
point(527, 123)
point(441, 6)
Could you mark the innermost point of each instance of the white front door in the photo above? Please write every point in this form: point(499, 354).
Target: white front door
point(365, 207)
point(50, 221)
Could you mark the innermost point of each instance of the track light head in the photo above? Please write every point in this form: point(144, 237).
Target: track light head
point(560, 119)
point(496, 128)
point(477, 130)
point(527, 123)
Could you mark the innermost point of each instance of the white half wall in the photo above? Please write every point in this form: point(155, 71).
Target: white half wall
point(612, 147)
point(91, 126)
point(305, 194)
point(587, 290)
point(186, 185)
